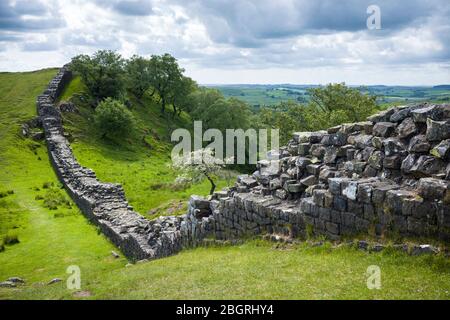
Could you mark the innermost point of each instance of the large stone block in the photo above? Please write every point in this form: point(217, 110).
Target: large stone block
point(340, 203)
point(360, 141)
point(442, 150)
point(419, 143)
point(393, 146)
point(393, 162)
point(383, 116)
point(437, 130)
point(394, 200)
point(432, 189)
point(407, 128)
point(422, 167)
point(384, 129)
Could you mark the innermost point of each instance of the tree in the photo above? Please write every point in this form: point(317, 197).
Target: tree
point(103, 73)
point(113, 119)
point(200, 164)
point(329, 106)
point(166, 75)
point(138, 75)
point(211, 107)
point(350, 102)
point(180, 93)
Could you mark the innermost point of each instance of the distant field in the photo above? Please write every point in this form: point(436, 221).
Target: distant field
point(264, 95)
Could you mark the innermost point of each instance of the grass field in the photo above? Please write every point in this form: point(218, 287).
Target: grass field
point(267, 95)
point(53, 239)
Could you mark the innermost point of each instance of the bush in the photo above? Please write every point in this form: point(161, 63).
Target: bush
point(47, 185)
point(2, 246)
point(6, 193)
point(53, 198)
point(10, 238)
point(113, 119)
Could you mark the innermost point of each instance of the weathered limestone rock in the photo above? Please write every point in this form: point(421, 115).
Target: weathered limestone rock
point(384, 129)
point(419, 143)
point(393, 146)
point(407, 128)
point(442, 150)
point(432, 189)
point(437, 130)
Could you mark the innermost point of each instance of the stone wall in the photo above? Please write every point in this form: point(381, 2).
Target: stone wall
point(102, 203)
point(387, 175)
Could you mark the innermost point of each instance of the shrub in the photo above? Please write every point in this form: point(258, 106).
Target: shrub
point(113, 119)
point(2, 246)
point(10, 238)
point(47, 185)
point(4, 194)
point(53, 198)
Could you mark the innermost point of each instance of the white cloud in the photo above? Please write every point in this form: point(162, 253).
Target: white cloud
point(241, 40)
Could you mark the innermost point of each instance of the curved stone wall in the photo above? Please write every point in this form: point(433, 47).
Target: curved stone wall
point(102, 203)
point(387, 175)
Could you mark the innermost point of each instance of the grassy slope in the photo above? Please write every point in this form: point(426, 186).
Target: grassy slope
point(48, 244)
point(256, 269)
point(143, 171)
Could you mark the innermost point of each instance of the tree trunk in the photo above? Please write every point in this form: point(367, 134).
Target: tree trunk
point(163, 105)
point(213, 185)
point(174, 111)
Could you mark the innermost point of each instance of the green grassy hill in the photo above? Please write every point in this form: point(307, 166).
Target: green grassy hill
point(143, 168)
point(258, 95)
point(54, 235)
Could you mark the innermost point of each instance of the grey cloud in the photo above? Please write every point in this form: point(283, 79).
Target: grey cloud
point(40, 46)
point(95, 40)
point(12, 16)
point(128, 7)
point(248, 23)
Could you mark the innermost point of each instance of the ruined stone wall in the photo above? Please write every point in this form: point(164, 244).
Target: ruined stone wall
point(387, 176)
point(102, 203)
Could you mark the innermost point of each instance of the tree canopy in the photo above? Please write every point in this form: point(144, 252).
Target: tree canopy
point(103, 73)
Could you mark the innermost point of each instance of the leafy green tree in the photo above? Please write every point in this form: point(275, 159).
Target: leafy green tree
point(211, 107)
point(182, 90)
point(329, 106)
point(103, 73)
point(352, 103)
point(138, 75)
point(113, 119)
point(166, 75)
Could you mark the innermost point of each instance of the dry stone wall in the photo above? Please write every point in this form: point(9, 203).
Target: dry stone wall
point(102, 203)
point(389, 174)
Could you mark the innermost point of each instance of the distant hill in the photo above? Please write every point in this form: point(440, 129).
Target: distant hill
point(258, 95)
point(442, 86)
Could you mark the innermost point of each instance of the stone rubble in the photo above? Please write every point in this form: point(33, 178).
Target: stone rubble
point(387, 175)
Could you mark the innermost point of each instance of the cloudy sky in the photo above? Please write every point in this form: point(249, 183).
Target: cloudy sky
point(240, 41)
